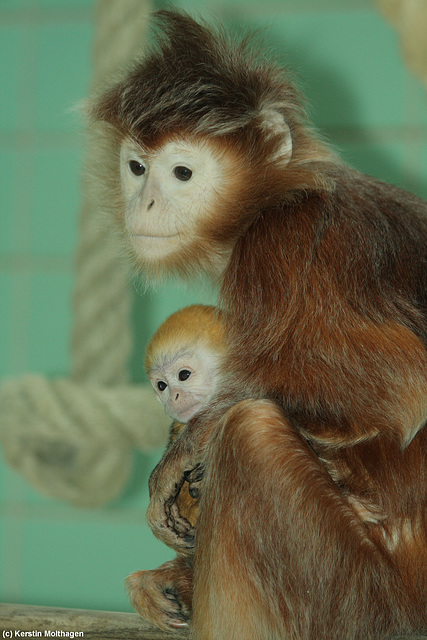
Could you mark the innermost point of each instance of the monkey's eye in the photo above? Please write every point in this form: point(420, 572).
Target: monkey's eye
point(136, 167)
point(184, 374)
point(183, 173)
point(161, 385)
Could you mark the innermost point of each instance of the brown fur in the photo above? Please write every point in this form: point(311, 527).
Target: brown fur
point(326, 304)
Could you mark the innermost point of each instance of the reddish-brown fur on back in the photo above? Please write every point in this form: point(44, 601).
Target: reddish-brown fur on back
point(313, 515)
point(334, 293)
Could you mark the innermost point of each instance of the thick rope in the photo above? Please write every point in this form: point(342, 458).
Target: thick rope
point(73, 441)
point(72, 438)
point(102, 300)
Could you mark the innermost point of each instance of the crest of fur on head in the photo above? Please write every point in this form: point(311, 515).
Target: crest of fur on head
point(197, 324)
point(196, 85)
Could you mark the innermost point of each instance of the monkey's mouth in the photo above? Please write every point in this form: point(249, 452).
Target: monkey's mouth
point(188, 413)
point(154, 246)
point(154, 237)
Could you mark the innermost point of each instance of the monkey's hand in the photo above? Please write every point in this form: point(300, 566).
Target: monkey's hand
point(163, 596)
point(182, 514)
point(163, 514)
point(182, 463)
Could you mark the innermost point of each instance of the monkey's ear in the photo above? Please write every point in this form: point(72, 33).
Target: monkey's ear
point(274, 124)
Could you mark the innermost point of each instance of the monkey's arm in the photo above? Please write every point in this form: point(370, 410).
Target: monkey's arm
point(163, 596)
point(176, 480)
point(184, 509)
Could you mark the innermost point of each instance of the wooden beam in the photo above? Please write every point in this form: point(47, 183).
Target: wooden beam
point(90, 625)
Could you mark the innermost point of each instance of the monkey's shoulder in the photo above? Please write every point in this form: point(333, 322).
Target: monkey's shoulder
point(359, 218)
point(370, 200)
point(362, 239)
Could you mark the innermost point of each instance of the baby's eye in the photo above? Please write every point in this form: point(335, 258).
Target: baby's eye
point(161, 385)
point(184, 374)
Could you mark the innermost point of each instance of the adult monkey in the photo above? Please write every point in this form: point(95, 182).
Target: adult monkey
point(208, 165)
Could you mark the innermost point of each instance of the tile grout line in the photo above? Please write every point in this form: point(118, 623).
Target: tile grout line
point(12, 575)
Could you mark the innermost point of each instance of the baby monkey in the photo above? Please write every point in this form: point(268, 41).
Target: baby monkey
point(183, 362)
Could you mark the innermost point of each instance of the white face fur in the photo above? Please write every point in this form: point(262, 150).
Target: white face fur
point(166, 193)
point(186, 382)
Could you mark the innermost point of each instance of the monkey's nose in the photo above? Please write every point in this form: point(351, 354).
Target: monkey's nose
point(176, 396)
point(150, 205)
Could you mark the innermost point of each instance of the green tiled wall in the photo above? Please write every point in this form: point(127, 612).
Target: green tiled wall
point(362, 98)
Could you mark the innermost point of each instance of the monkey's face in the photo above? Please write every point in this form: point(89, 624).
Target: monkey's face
point(168, 194)
point(185, 382)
